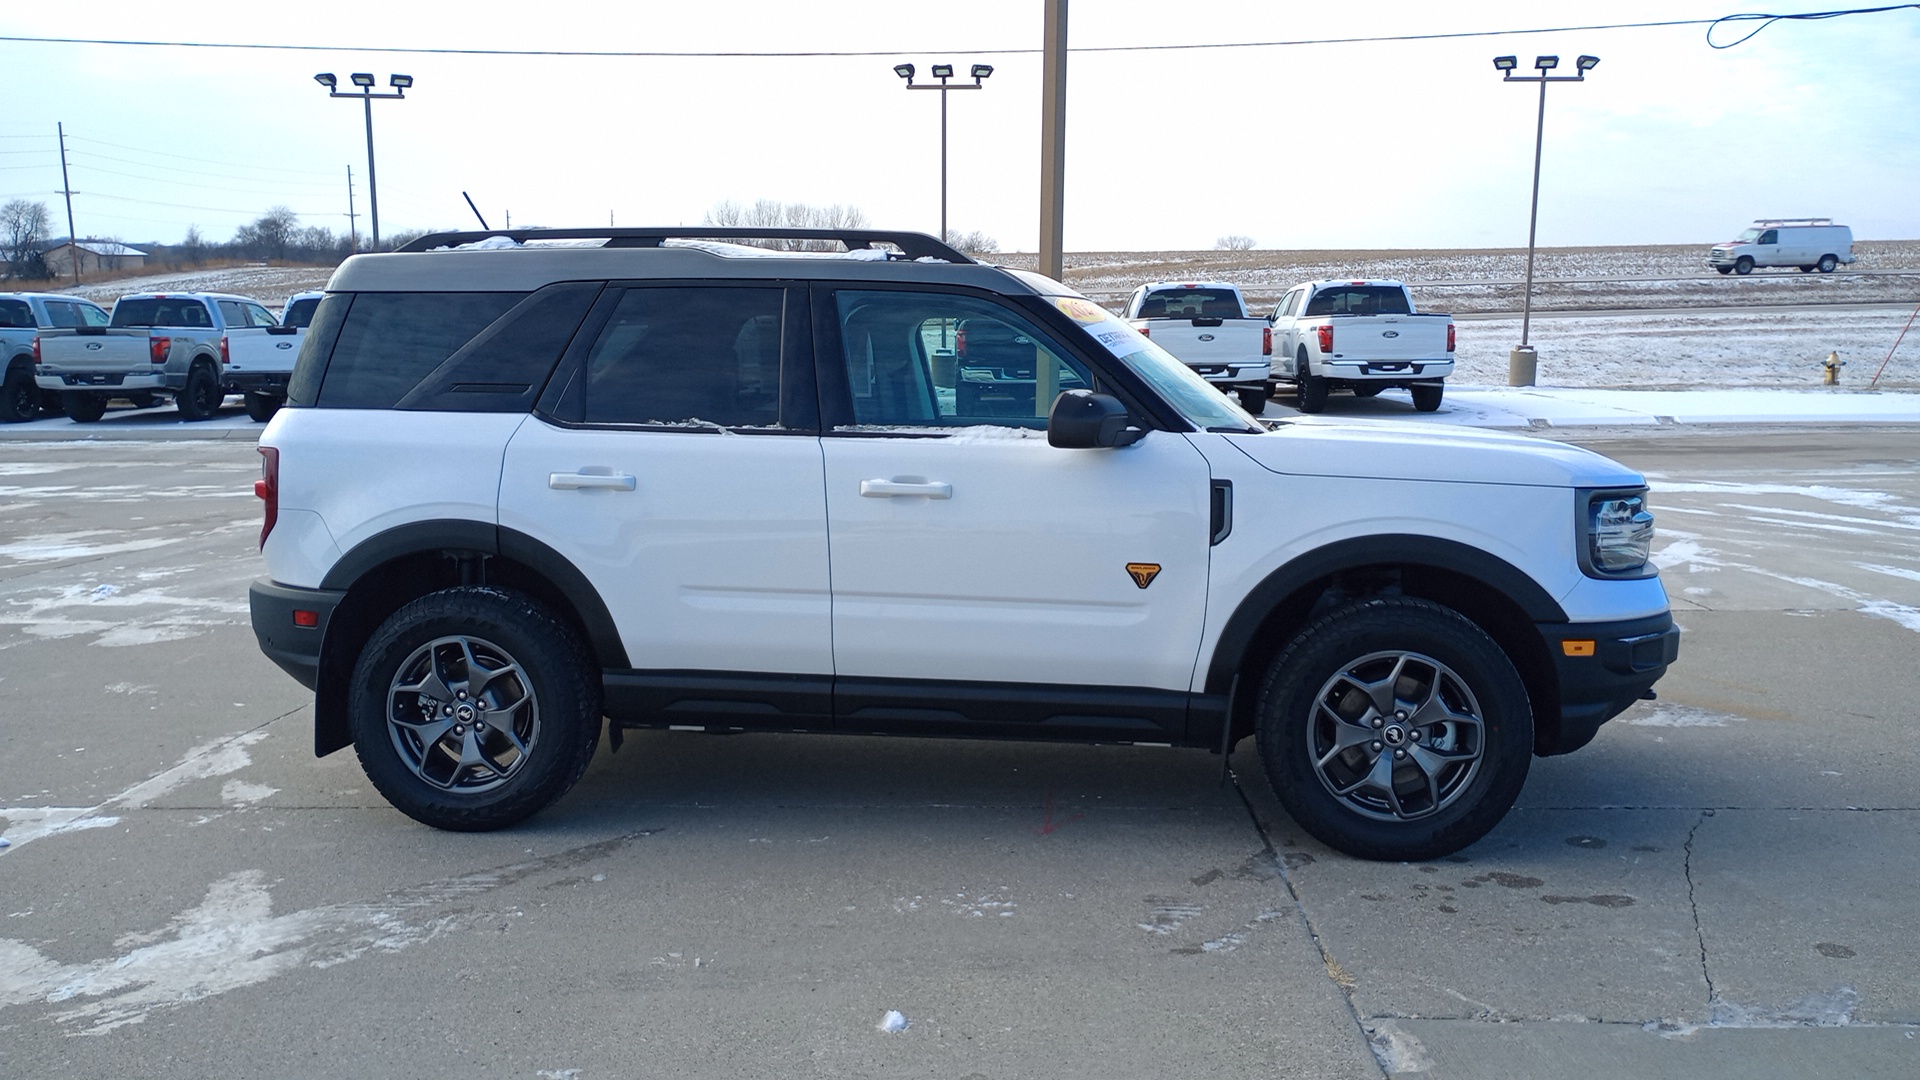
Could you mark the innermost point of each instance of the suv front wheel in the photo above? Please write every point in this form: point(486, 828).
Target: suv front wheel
point(473, 708)
point(1394, 728)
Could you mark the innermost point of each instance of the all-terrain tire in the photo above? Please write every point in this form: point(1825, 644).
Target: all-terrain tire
point(1254, 401)
point(19, 397)
point(203, 395)
point(261, 406)
point(474, 708)
point(1411, 684)
point(1427, 398)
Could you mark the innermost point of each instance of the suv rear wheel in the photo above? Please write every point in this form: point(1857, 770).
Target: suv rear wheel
point(474, 708)
point(1394, 728)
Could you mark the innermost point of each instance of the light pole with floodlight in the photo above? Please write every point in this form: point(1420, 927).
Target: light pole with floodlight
point(943, 72)
point(1522, 362)
point(363, 80)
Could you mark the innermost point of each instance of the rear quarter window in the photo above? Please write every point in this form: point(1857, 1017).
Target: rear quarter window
point(388, 342)
point(16, 314)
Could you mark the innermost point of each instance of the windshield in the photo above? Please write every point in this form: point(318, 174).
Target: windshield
point(1750, 236)
point(1198, 402)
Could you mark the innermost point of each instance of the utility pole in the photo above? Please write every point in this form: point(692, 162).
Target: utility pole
point(353, 219)
point(66, 188)
point(1053, 140)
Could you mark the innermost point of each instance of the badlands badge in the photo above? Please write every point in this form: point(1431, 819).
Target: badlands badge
point(1143, 572)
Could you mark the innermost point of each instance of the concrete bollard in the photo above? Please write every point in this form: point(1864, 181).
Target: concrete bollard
point(1523, 363)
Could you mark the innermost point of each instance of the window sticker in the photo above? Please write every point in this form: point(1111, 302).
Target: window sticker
point(1081, 310)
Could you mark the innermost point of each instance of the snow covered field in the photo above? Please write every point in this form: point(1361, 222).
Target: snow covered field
point(1674, 345)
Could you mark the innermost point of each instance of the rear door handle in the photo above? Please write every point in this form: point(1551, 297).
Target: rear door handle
point(891, 489)
point(573, 481)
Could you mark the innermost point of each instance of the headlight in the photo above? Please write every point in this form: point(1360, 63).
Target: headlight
point(1619, 532)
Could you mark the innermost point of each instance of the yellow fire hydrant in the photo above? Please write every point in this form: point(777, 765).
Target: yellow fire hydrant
point(1833, 364)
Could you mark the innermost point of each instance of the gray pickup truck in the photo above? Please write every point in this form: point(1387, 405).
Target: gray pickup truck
point(22, 316)
point(195, 347)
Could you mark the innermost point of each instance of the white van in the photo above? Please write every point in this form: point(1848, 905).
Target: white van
point(1808, 243)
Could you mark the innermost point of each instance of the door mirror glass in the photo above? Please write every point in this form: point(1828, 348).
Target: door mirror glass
point(1084, 420)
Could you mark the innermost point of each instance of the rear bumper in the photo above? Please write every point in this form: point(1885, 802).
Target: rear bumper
point(47, 379)
point(274, 381)
point(1256, 373)
point(1389, 371)
point(295, 647)
point(1613, 665)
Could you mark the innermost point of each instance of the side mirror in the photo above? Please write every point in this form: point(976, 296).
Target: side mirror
point(1084, 420)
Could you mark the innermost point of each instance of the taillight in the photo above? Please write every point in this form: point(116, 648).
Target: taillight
point(226, 351)
point(36, 348)
point(1146, 331)
point(1266, 341)
point(1449, 337)
point(1326, 337)
point(960, 342)
point(158, 348)
point(268, 489)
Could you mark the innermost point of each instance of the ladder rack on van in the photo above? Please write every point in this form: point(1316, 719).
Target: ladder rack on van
point(1790, 222)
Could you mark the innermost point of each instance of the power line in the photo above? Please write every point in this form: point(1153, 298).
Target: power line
point(88, 155)
point(190, 157)
point(819, 53)
point(1808, 16)
point(81, 163)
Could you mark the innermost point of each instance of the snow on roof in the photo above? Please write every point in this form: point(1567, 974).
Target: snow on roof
point(97, 247)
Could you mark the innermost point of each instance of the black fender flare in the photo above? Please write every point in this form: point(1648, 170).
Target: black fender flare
point(420, 537)
point(1386, 549)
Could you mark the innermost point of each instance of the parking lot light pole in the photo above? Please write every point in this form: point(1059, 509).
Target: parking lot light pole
point(1522, 363)
point(943, 72)
point(401, 84)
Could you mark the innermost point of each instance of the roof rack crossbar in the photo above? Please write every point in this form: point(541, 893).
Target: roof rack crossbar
point(912, 244)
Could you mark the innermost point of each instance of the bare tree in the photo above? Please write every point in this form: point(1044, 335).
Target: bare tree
point(270, 235)
point(972, 243)
point(24, 226)
point(773, 214)
point(1236, 242)
point(194, 245)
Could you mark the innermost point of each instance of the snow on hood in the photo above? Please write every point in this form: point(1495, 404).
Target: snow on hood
point(1386, 450)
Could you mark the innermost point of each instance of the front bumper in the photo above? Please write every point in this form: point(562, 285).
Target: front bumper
point(279, 614)
point(1603, 668)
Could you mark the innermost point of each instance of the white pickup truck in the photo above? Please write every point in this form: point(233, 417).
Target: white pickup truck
point(1363, 336)
point(1207, 326)
point(22, 316)
point(197, 347)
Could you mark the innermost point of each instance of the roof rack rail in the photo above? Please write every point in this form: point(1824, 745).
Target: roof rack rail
point(912, 244)
point(1791, 222)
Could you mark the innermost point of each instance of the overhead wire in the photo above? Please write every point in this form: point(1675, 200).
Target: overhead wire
point(817, 53)
point(1804, 16)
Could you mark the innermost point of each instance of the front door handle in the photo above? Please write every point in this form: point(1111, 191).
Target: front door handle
point(573, 481)
point(892, 489)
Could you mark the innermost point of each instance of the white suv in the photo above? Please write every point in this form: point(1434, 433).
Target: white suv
point(520, 486)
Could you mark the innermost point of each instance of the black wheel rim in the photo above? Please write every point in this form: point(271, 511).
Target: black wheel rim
point(462, 714)
point(1396, 736)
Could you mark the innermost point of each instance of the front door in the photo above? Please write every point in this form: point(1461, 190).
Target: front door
point(983, 579)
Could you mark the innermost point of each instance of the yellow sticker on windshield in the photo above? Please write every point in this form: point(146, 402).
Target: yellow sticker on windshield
point(1081, 311)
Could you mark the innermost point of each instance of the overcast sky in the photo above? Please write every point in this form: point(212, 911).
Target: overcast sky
point(1355, 145)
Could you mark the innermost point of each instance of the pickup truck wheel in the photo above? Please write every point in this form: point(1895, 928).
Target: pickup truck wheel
point(1827, 263)
point(1724, 269)
point(202, 396)
point(1427, 398)
point(19, 397)
point(1313, 393)
point(260, 406)
point(1394, 728)
point(143, 399)
point(1368, 389)
point(473, 708)
point(85, 408)
point(1806, 269)
point(1254, 401)
point(1743, 266)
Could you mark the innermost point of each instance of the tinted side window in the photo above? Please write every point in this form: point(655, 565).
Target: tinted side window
point(17, 313)
point(93, 316)
point(505, 367)
point(161, 311)
point(300, 312)
point(233, 313)
point(390, 341)
point(708, 355)
point(1190, 304)
point(303, 388)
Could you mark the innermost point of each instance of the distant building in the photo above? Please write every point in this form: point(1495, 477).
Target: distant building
point(93, 255)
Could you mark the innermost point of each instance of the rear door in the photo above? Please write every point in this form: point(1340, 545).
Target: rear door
point(673, 468)
point(256, 342)
point(985, 582)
